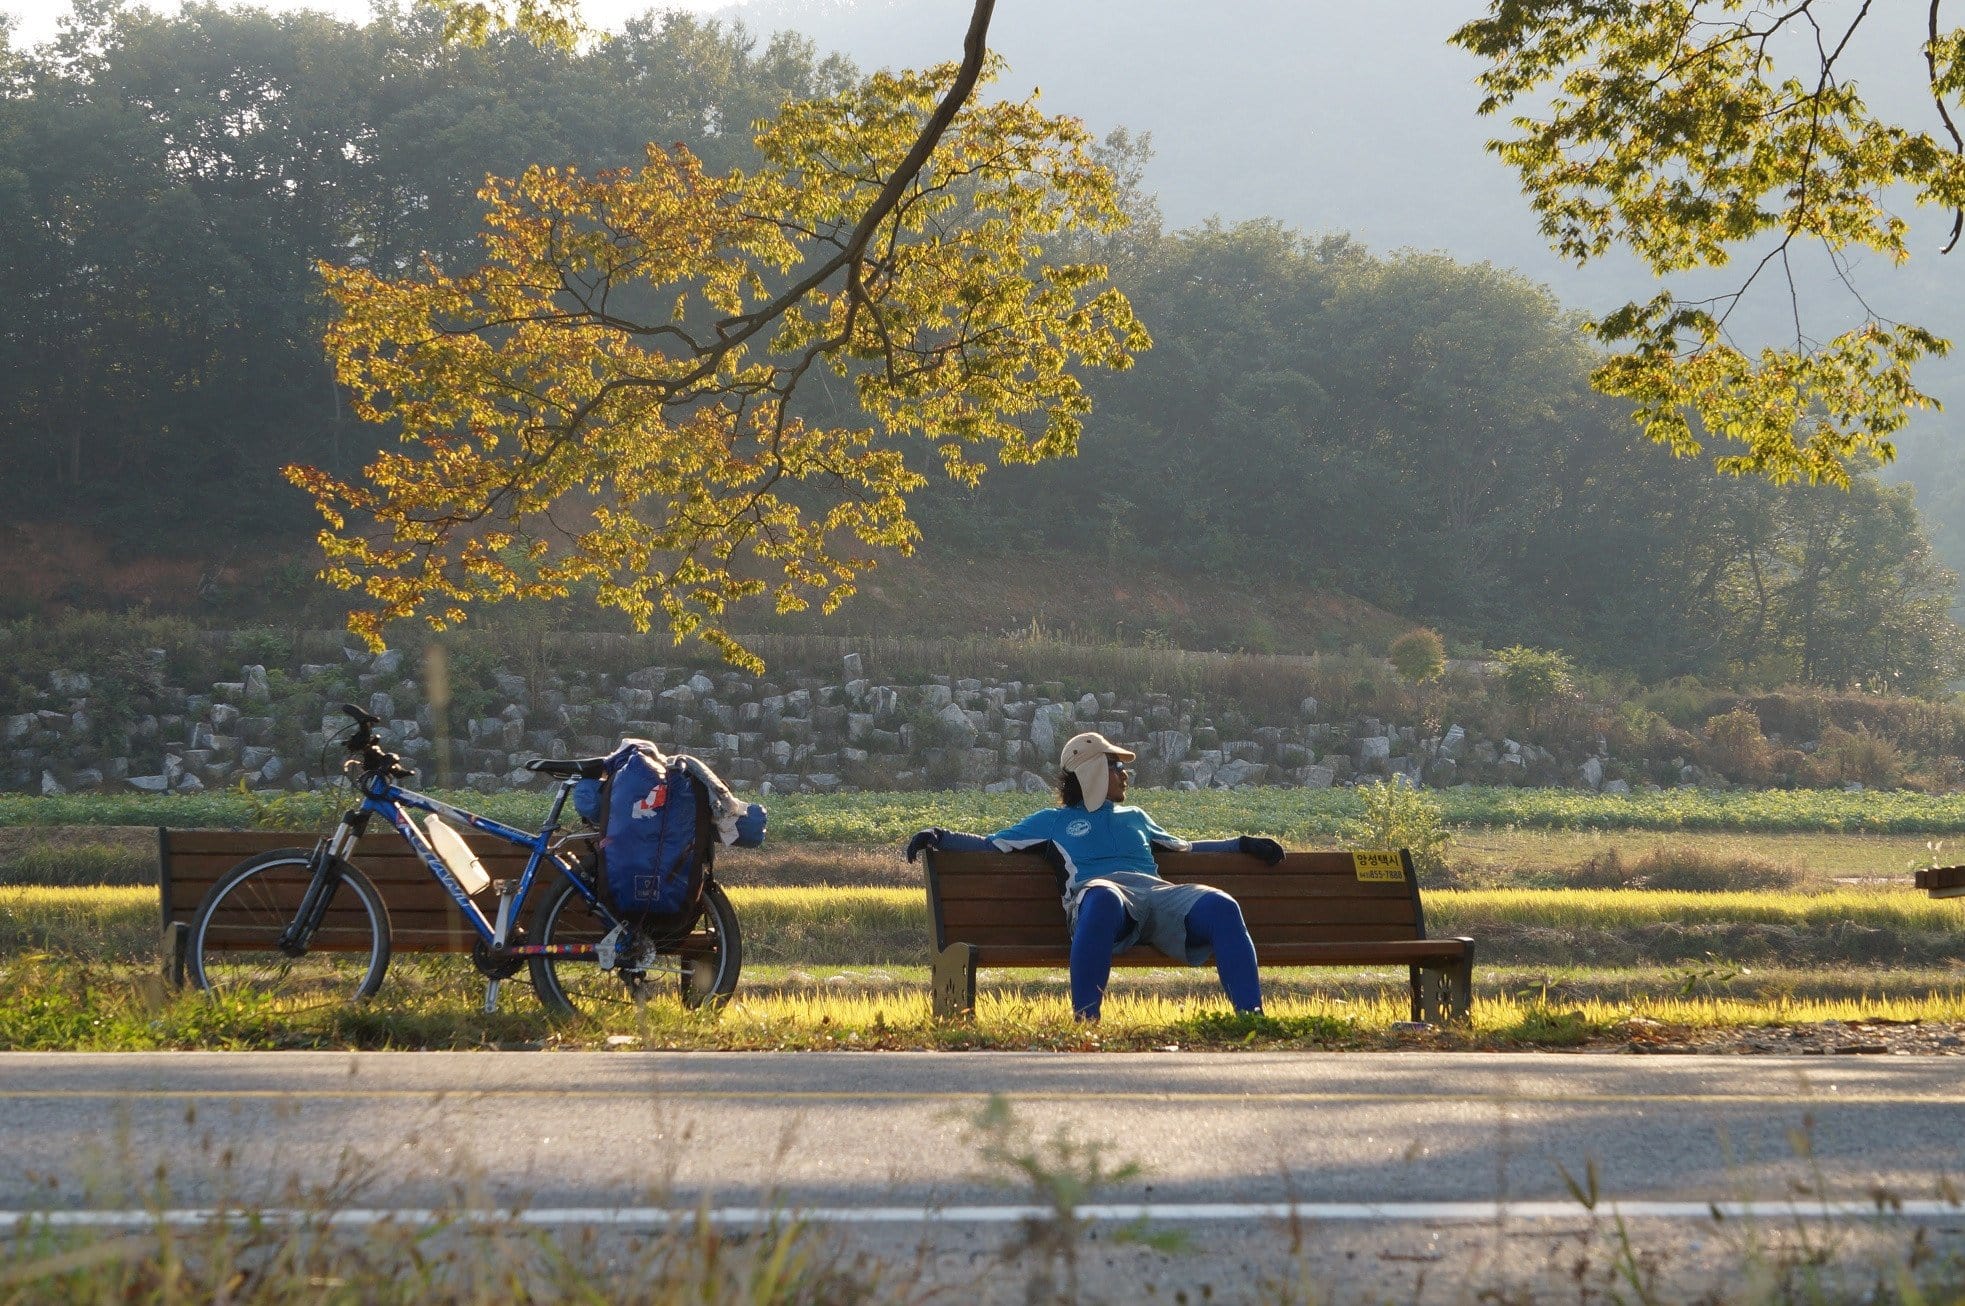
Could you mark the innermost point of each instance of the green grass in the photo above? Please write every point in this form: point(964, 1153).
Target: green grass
point(1298, 815)
point(881, 926)
point(844, 967)
point(62, 1003)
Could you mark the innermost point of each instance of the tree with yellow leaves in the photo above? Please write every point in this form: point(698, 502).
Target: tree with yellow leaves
point(618, 395)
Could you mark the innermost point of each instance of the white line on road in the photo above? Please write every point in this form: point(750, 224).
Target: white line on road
point(1151, 1212)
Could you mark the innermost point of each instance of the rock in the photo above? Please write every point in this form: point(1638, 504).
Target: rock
point(381, 704)
point(851, 667)
point(1000, 787)
point(1088, 707)
point(13, 729)
point(1308, 707)
point(1170, 746)
point(937, 696)
point(87, 778)
point(388, 662)
point(223, 715)
point(1374, 748)
point(823, 781)
point(702, 684)
point(1047, 729)
point(1316, 777)
point(512, 685)
point(1591, 772)
point(251, 758)
point(482, 781)
point(1454, 742)
point(201, 735)
point(50, 787)
point(1616, 787)
point(1032, 783)
point(257, 688)
point(149, 784)
point(69, 684)
point(274, 768)
point(190, 784)
point(883, 701)
point(1236, 772)
point(649, 678)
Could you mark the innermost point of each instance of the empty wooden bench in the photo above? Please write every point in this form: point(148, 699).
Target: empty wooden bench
point(1003, 910)
point(1943, 881)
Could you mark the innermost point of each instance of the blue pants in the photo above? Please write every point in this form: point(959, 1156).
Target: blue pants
point(1216, 921)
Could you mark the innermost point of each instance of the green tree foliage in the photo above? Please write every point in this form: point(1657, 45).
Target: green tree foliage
point(1533, 677)
point(1398, 814)
point(167, 185)
point(1692, 132)
point(1418, 655)
point(1423, 434)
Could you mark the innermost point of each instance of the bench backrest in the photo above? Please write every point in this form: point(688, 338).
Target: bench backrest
point(1012, 900)
point(421, 915)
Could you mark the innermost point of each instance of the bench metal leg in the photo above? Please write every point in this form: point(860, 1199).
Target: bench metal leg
point(177, 938)
point(954, 984)
point(1446, 994)
point(1417, 978)
point(1463, 988)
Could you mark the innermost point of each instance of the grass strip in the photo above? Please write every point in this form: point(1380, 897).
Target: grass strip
point(1300, 815)
point(882, 926)
point(58, 1003)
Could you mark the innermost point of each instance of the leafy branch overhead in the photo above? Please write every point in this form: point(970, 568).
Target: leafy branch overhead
point(1692, 132)
point(619, 395)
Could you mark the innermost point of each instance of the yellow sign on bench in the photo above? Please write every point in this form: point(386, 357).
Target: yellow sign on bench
point(1384, 866)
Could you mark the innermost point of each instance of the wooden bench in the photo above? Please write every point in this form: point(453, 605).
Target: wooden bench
point(1943, 881)
point(422, 917)
point(1003, 910)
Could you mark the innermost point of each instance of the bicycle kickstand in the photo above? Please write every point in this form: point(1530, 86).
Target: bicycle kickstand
point(503, 935)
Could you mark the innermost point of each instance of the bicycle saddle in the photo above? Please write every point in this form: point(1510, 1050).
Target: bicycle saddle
point(588, 768)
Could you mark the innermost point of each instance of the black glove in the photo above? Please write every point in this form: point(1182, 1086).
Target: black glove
point(928, 838)
point(1268, 850)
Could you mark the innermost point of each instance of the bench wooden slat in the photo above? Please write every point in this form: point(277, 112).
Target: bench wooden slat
point(1024, 883)
point(1387, 953)
point(971, 919)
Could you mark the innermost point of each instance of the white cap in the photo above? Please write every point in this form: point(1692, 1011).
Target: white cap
point(1087, 757)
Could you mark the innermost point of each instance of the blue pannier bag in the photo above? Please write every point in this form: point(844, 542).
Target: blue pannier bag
point(657, 837)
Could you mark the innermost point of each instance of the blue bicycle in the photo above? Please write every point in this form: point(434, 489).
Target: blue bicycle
point(305, 927)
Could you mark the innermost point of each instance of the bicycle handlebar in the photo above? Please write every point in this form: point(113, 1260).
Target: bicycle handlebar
point(364, 745)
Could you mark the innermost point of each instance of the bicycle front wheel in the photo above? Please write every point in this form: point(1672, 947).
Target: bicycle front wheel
point(234, 945)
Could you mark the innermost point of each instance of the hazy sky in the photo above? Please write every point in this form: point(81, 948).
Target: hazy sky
point(35, 19)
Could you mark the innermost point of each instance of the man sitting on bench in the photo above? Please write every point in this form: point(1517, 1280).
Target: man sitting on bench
point(1113, 894)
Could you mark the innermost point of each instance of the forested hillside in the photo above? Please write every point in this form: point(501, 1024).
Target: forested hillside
point(1315, 415)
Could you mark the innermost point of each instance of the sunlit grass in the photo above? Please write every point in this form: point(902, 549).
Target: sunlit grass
point(877, 926)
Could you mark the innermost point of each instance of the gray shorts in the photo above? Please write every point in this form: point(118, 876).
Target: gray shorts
point(1157, 912)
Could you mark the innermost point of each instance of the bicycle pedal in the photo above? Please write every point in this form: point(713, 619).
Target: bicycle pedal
point(605, 952)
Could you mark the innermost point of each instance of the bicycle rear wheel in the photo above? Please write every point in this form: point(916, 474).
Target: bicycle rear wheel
point(704, 967)
point(234, 944)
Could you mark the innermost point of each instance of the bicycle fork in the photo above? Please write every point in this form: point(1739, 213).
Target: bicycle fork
point(325, 864)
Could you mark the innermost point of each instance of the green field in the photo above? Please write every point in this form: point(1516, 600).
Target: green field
point(1300, 815)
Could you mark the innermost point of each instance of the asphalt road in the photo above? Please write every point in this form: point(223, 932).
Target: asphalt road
point(1396, 1160)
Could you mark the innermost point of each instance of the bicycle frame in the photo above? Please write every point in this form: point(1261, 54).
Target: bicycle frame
point(382, 797)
